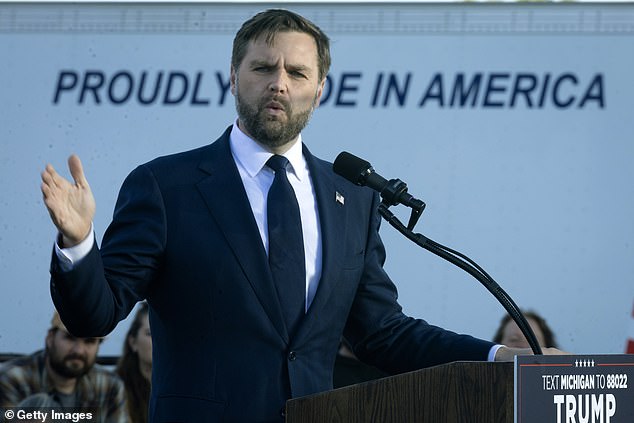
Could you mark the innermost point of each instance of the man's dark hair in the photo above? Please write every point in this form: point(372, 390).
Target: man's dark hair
point(273, 21)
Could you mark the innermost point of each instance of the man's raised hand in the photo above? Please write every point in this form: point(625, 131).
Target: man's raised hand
point(71, 205)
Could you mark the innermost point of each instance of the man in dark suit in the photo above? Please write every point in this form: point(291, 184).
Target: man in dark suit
point(190, 235)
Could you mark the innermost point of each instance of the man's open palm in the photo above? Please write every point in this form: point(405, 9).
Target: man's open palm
point(71, 205)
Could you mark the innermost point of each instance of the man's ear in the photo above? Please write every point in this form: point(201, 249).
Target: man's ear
point(232, 80)
point(320, 92)
point(49, 338)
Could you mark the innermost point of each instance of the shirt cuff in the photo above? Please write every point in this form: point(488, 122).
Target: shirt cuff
point(494, 349)
point(68, 257)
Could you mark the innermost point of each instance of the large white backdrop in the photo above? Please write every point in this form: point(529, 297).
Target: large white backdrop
point(514, 123)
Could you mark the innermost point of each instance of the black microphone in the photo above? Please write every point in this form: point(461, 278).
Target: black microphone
point(361, 172)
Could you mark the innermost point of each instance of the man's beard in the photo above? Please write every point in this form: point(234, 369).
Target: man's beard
point(64, 367)
point(269, 131)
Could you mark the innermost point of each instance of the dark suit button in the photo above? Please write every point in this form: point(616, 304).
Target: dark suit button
point(292, 356)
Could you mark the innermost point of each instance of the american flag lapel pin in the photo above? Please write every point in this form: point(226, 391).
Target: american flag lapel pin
point(339, 198)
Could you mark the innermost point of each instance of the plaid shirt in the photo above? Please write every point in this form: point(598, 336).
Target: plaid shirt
point(99, 390)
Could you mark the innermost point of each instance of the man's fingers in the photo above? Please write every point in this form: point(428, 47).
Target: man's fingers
point(47, 174)
point(46, 190)
point(77, 171)
point(53, 179)
point(48, 180)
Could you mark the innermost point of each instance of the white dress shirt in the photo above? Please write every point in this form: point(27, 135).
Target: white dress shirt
point(257, 178)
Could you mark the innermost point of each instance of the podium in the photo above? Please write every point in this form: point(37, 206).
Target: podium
point(458, 392)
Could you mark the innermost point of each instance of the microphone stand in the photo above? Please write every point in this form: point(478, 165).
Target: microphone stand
point(463, 262)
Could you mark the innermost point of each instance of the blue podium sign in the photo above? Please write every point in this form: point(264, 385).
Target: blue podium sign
point(574, 389)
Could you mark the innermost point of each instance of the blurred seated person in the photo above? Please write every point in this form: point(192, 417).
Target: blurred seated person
point(349, 370)
point(135, 365)
point(509, 334)
point(41, 400)
point(66, 373)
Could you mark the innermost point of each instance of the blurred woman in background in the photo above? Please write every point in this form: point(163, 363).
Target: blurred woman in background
point(509, 334)
point(135, 365)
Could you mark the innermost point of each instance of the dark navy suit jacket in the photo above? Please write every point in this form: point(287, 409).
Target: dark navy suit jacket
point(184, 237)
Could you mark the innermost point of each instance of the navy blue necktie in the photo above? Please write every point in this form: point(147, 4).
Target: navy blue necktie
point(286, 245)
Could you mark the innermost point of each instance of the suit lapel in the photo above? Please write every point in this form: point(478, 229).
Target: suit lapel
point(231, 209)
point(332, 216)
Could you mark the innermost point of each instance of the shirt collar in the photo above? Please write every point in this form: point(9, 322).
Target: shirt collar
point(253, 157)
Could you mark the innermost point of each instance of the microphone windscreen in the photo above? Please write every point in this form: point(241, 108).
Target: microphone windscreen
point(351, 167)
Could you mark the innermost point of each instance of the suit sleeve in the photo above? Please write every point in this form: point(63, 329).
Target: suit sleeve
point(103, 287)
point(382, 335)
